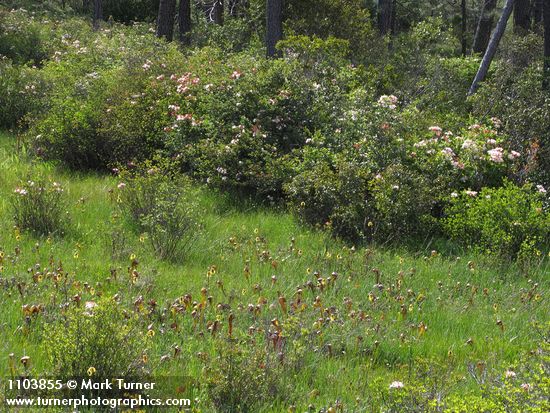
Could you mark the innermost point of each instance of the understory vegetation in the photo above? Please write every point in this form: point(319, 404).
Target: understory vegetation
point(340, 229)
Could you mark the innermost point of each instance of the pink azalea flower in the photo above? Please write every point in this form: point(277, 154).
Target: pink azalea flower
point(496, 155)
point(436, 130)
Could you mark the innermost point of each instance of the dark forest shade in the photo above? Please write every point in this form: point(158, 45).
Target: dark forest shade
point(165, 20)
point(184, 21)
point(522, 16)
point(98, 13)
point(213, 10)
point(385, 12)
point(217, 12)
point(546, 19)
point(484, 26)
point(274, 25)
point(537, 12)
point(236, 8)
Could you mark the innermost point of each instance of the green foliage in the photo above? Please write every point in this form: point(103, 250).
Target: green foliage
point(524, 388)
point(349, 20)
point(68, 134)
point(38, 205)
point(404, 201)
point(98, 340)
point(406, 69)
point(446, 84)
point(242, 378)
point(100, 112)
point(127, 11)
point(21, 37)
point(160, 203)
point(332, 192)
point(311, 129)
point(21, 89)
point(503, 221)
point(513, 94)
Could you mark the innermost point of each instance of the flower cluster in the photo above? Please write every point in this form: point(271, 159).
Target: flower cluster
point(388, 101)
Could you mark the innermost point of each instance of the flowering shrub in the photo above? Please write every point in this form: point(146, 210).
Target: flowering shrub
point(21, 89)
point(351, 148)
point(38, 205)
point(503, 221)
point(104, 107)
point(475, 157)
point(20, 37)
point(160, 203)
point(514, 95)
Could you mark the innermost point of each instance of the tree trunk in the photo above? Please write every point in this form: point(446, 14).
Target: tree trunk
point(492, 47)
point(217, 12)
point(464, 27)
point(274, 26)
point(184, 21)
point(165, 20)
point(546, 70)
point(385, 16)
point(98, 13)
point(522, 16)
point(484, 26)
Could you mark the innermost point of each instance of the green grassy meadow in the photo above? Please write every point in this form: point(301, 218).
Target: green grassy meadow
point(348, 321)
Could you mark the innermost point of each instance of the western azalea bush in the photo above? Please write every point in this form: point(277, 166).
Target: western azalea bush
point(349, 147)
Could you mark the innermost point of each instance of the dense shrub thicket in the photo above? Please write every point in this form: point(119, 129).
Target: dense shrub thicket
point(370, 142)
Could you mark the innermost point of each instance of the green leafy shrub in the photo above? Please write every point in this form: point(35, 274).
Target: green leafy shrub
point(513, 95)
point(38, 205)
point(20, 37)
point(330, 191)
point(68, 133)
point(242, 378)
point(21, 89)
point(407, 67)
point(96, 340)
point(105, 107)
point(446, 84)
point(233, 125)
point(404, 202)
point(348, 20)
point(476, 156)
point(522, 388)
point(502, 221)
point(160, 202)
